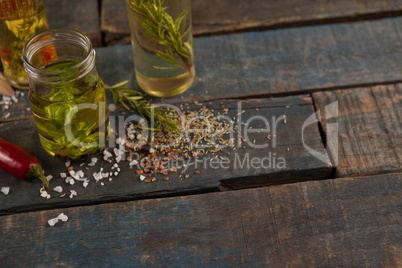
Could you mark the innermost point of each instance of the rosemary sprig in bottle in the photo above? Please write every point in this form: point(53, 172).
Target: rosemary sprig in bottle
point(166, 31)
point(133, 100)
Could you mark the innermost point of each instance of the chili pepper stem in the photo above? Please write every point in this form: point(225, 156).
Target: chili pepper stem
point(36, 172)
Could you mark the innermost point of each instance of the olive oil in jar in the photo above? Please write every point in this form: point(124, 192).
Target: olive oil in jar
point(72, 120)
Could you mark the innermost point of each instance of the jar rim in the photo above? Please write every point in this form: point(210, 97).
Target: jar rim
point(41, 40)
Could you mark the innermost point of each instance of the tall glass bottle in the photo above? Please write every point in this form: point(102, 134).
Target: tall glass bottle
point(161, 38)
point(19, 21)
point(66, 94)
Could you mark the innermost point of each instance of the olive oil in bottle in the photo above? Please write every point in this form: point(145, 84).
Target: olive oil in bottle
point(19, 21)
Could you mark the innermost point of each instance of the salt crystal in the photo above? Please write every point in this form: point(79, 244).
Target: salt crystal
point(44, 194)
point(102, 183)
point(118, 140)
point(68, 163)
point(93, 161)
point(118, 152)
point(132, 163)
point(58, 189)
point(72, 173)
point(62, 217)
point(110, 179)
point(116, 173)
point(63, 175)
point(73, 193)
point(142, 177)
point(139, 136)
point(107, 153)
point(115, 165)
point(118, 169)
point(7, 115)
point(80, 173)
point(5, 190)
point(152, 150)
point(85, 184)
point(52, 222)
point(49, 177)
point(82, 164)
point(14, 99)
point(72, 182)
point(118, 159)
point(28, 109)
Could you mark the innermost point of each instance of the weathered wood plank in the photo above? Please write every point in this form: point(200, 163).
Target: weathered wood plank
point(76, 14)
point(279, 62)
point(226, 16)
point(288, 61)
point(370, 128)
point(347, 222)
point(283, 159)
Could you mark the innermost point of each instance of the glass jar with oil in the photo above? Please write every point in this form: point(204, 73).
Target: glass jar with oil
point(19, 21)
point(66, 94)
point(161, 38)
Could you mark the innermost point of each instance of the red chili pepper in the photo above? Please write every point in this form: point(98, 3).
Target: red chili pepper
point(20, 163)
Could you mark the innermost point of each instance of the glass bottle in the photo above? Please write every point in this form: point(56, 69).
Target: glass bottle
point(66, 94)
point(161, 38)
point(19, 21)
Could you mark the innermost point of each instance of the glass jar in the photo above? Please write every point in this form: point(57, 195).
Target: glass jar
point(161, 38)
point(66, 94)
point(20, 20)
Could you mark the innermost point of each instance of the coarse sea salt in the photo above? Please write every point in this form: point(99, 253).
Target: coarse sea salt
point(58, 189)
point(49, 177)
point(61, 217)
point(68, 163)
point(142, 177)
point(93, 161)
point(73, 193)
point(132, 163)
point(5, 190)
point(44, 194)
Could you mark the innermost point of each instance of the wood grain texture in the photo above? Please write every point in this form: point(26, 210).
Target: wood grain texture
point(281, 62)
point(225, 16)
point(75, 14)
point(347, 222)
point(370, 128)
point(275, 63)
point(297, 164)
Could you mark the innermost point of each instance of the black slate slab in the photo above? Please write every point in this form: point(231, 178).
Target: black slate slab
point(297, 164)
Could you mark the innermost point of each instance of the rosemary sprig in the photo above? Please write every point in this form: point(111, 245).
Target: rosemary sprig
point(160, 25)
point(132, 100)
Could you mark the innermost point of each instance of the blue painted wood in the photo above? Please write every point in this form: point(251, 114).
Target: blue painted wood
point(349, 222)
point(225, 16)
point(287, 61)
point(370, 128)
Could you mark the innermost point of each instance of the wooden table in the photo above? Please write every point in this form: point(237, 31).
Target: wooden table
point(332, 69)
